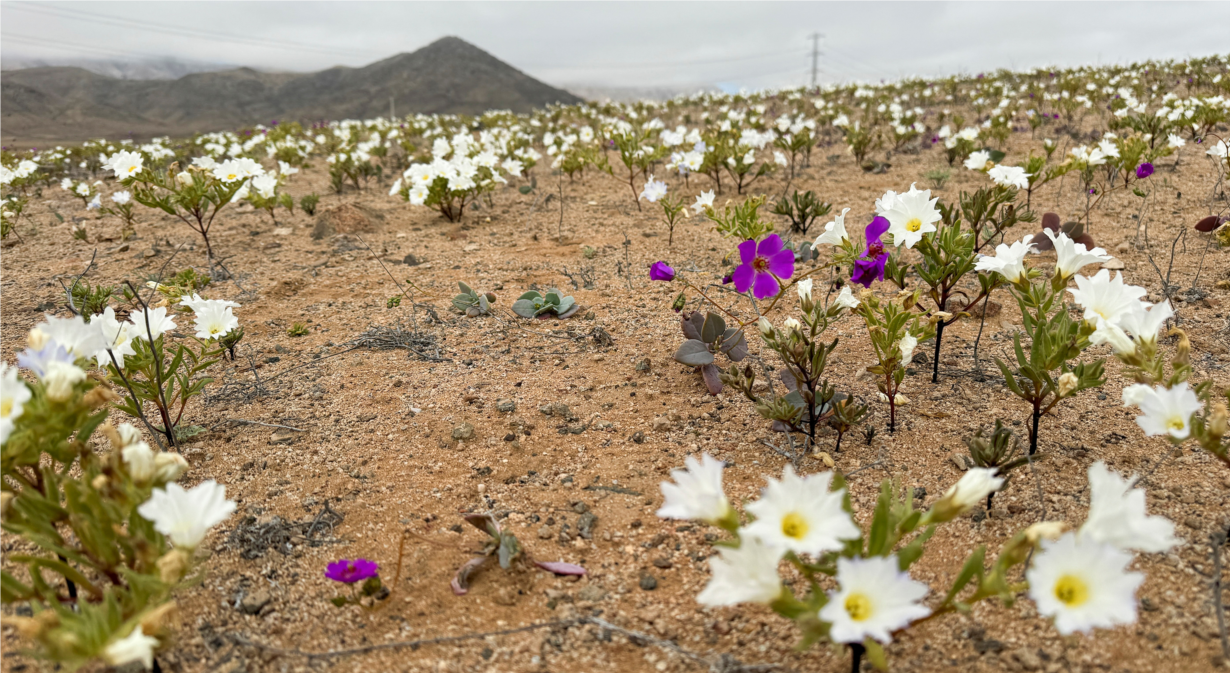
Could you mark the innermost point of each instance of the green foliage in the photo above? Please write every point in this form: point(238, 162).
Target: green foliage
point(307, 203)
point(741, 222)
point(533, 304)
point(938, 177)
point(707, 336)
point(91, 299)
point(297, 329)
point(802, 209)
point(474, 304)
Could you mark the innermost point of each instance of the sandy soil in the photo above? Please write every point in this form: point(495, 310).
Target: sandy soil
point(378, 443)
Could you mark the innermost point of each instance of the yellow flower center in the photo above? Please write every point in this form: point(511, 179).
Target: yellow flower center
point(6, 408)
point(1072, 591)
point(914, 224)
point(231, 176)
point(1176, 423)
point(794, 526)
point(214, 330)
point(858, 606)
point(132, 169)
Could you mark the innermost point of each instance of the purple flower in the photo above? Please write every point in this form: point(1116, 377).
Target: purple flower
point(871, 267)
point(762, 265)
point(350, 572)
point(1144, 170)
point(37, 360)
point(660, 271)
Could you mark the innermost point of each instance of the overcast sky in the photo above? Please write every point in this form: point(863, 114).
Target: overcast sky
point(733, 45)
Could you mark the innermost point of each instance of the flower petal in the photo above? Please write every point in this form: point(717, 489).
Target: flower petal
point(782, 264)
point(766, 286)
point(747, 251)
point(876, 229)
point(769, 246)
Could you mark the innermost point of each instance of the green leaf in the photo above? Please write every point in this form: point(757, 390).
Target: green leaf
point(875, 653)
point(693, 353)
point(972, 568)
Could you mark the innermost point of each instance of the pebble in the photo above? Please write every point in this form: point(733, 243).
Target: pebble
point(506, 406)
point(254, 602)
point(544, 533)
point(463, 432)
point(648, 583)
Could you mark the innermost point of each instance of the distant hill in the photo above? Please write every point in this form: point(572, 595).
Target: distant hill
point(137, 68)
point(66, 104)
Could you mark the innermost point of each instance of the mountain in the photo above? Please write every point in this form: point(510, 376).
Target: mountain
point(143, 68)
point(450, 76)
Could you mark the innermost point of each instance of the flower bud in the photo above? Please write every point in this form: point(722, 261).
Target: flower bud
point(766, 327)
point(128, 434)
point(184, 178)
point(158, 620)
point(792, 325)
point(169, 466)
point(173, 565)
point(1183, 349)
point(100, 482)
point(36, 339)
point(99, 396)
point(679, 303)
point(1217, 420)
point(1044, 530)
point(139, 459)
point(804, 287)
point(971, 489)
point(60, 378)
point(1067, 383)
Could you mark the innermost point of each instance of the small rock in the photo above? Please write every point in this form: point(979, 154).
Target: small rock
point(585, 525)
point(958, 461)
point(661, 423)
point(644, 365)
point(648, 583)
point(506, 406)
point(149, 252)
point(663, 563)
point(282, 231)
point(1123, 247)
point(411, 260)
point(254, 602)
point(591, 593)
point(471, 247)
point(1192, 522)
point(1115, 264)
point(463, 432)
point(544, 533)
point(638, 437)
point(283, 436)
point(1027, 658)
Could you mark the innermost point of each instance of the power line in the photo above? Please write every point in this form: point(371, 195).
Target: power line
point(213, 36)
point(65, 46)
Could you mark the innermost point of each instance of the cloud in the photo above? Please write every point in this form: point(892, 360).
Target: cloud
point(629, 44)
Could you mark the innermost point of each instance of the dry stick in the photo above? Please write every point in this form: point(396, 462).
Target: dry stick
point(1219, 539)
point(267, 425)
point(68, 291)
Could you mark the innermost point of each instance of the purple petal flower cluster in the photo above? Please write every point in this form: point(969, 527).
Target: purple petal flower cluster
point(348, 571)
point(870, 267)
point(660, 271)
point(763, 264)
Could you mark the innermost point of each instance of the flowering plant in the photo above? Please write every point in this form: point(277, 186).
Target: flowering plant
point(112, 527)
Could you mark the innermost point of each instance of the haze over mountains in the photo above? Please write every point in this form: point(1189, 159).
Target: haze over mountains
point(66, 104)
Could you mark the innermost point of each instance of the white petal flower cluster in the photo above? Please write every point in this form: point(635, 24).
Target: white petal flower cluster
point(910, 215)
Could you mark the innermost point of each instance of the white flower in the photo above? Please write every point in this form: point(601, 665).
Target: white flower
point(184, 178)
point(513, 166)
point(206, 163)
point(59, 377)
point(874, 599)
point(66, 184)
point(13, 397)
point(911, 215)
point(654, 190)
point(907, 345)
point(418, 194)
point(1067, 383)
point(1083, 584)
point(804, 288)
point(835, 231)
point(135, 647)
point(82, 189)
point(1175, 141)
point(169, 466)
point(801, 514)
point(198, 303)
point(120, 198)
point(1144, 322)
point(1105, 297)
point(1167, 411)
point(846, 298)
point(150, 323)
point(1009, 176)
point(765, 327)
point(214, 320)
point(1117, 515)
point(1072, 257)
point(116, 335)
point(126, 164)
point(286, 169)
point(266, 185)
point(228, 171)
point(129, 434)
point(1108, 332)
point(139, 459)
point(1009, 260)
point(747, 574)
point(780, 159)
point(74, 334)
point(791, 325)
point(978, 161)
point(1135, 393)
point(186, 516)
point(697, 492)
point(705, 200)
point(970, 490)
point(95, 203)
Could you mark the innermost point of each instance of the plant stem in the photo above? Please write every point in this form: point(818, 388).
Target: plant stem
point(935, 366)
point(1033, 436)
point(856, 656)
